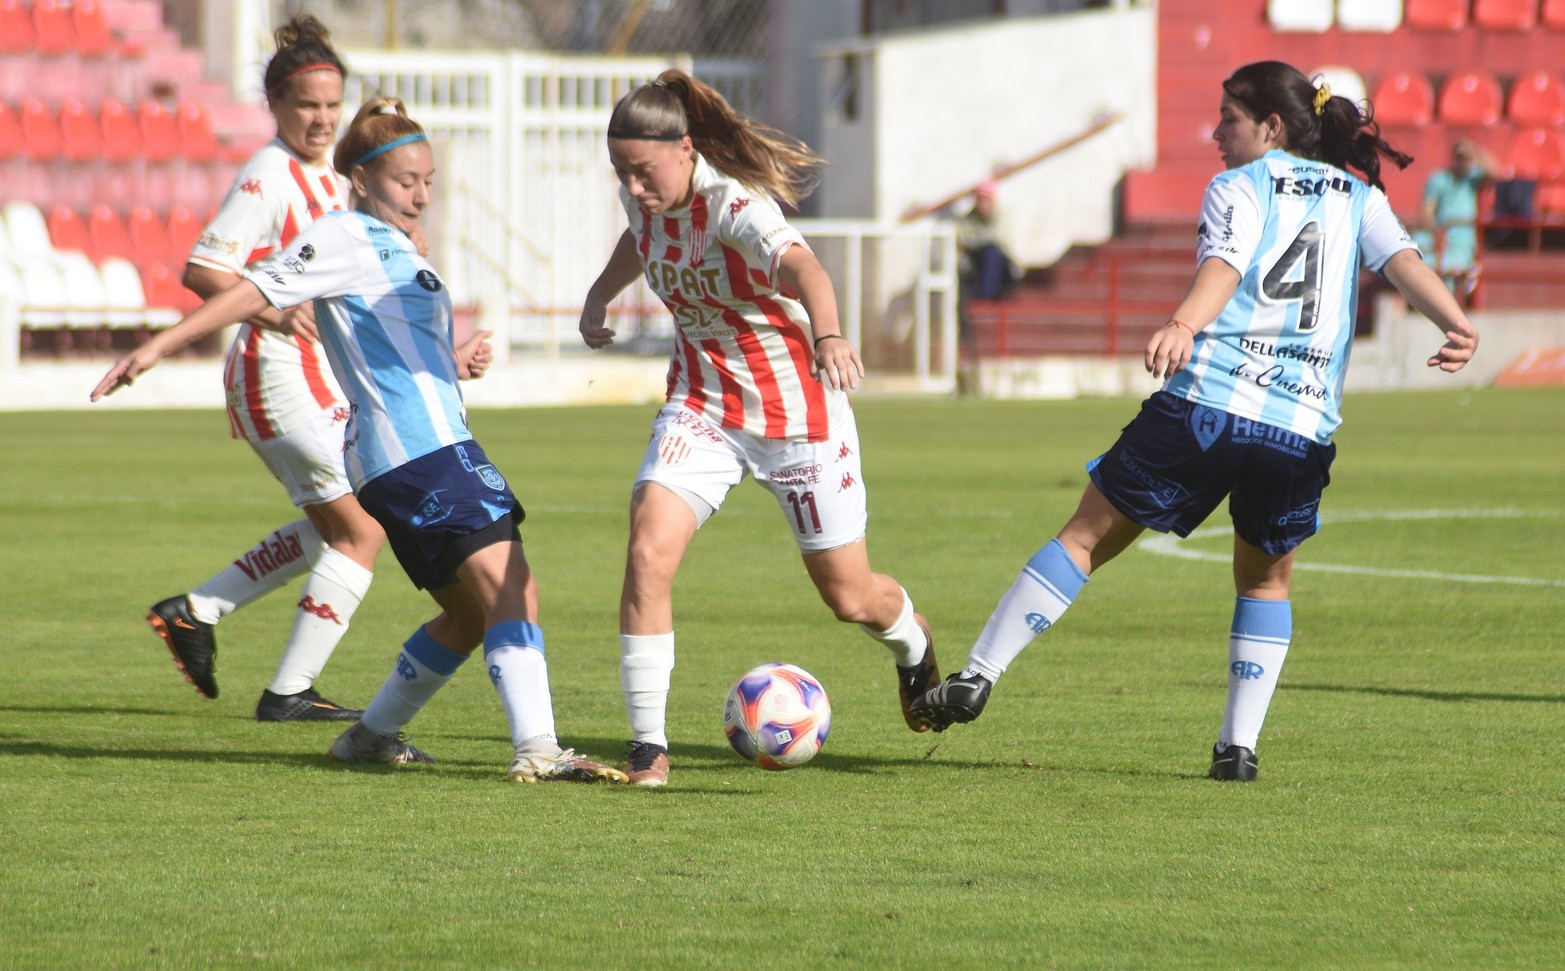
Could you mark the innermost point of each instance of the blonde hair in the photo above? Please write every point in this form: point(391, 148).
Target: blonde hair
point(757, 155)
point(379, 122)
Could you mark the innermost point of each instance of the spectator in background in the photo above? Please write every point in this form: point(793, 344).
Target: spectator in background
point(986, 269)
point(1447, 233)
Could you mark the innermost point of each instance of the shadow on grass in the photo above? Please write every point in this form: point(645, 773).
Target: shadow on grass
point(92, 710)
point(1427, 695)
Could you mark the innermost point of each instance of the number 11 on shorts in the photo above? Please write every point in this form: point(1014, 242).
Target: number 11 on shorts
point(803, 502)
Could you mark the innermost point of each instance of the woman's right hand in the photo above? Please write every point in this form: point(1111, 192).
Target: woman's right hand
point(125, 371)
point(1169, 349)
point(594, 331)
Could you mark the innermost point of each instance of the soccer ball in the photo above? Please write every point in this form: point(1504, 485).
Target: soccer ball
point(777, 716)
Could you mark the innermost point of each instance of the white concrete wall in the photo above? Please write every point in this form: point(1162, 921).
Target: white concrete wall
point(940, 110)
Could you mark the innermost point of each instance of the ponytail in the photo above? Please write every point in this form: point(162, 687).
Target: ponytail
point(757, 155)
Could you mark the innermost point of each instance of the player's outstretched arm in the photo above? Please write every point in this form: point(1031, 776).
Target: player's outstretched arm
point(622, 269)
point(240, 302)
point(1427, 294)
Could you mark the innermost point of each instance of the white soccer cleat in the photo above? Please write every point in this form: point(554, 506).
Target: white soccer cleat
point(359, 744)
point(566, 766)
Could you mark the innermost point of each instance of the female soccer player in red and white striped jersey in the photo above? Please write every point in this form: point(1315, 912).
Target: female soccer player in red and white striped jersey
point(757, 384)
point(282, 399)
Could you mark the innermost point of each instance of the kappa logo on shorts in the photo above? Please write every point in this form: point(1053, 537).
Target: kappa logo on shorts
point(848, 482)
point(843, 451)
point(491, 477)
point(673, 449)
point(1206, 424)
point(430, 511)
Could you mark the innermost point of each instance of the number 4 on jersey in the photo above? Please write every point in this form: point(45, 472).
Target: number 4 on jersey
point(1282, 284)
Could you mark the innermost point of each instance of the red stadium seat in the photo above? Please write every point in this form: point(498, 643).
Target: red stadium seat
point(1514, 15)
point(11, 138)
point(159, 131)
point(1436, 14)
point(109, 235)
point(1470, 98)
point(1538, 153)
point(183, 231)
point(1404, 98)
point(93, 37)
point(40, 132)
point(67, 231)
point(1537, 99)
point(162, 286)
point(121, 135)
point(1553, 14)
point(52, 29)
point(197, 140)
point(16, 28)
point(80, 137)
point(149, 237)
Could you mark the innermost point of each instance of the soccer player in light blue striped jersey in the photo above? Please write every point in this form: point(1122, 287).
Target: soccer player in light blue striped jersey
point(384, 315)
point(1253, 362)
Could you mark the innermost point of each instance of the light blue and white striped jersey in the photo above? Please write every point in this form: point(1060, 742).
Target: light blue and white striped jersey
point(1297, 231)
point(384, 317)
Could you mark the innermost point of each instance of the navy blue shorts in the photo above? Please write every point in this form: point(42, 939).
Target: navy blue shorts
point(441, 508)
point(1177, 460)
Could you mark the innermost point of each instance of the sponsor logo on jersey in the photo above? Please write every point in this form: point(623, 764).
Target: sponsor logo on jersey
point(251, 186)
point(1036, 622)
point(1246, 670)
point(385, 255)
point(737, 206)
point(306, 252)
point(1314, 356)
point(218, 244)
point(671, 280)
point(428, 280)
point(273, 552)
point(1283, 185)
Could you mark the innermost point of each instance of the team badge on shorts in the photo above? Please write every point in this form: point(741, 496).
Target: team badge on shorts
point(491, 477)
point(674, 449)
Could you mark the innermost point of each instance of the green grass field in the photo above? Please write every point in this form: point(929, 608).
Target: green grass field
point(1410, 811)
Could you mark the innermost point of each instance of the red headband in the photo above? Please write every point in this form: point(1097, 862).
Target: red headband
point(317, 66)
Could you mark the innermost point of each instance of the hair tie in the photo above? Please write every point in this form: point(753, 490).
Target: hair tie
point(642, 136)
point(416, 137)
point(659, 83)
point(1322, 95)
point(317, 66)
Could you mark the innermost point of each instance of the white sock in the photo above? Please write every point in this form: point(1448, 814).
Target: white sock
point(1037, 599)
point(517, 666)
point(331, 594)
point(904, 639)
point(287, 553)
point(1257, 646)
point(423, 668)
point(646, 666)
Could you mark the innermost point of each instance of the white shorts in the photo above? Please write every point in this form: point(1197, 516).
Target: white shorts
point(308, 460)
point(819, 485)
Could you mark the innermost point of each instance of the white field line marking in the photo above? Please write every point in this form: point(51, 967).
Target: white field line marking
point(1168, 544)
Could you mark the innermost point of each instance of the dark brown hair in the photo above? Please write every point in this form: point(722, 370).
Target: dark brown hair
point(303, 44)
point(1339, 133)
point(757, 155)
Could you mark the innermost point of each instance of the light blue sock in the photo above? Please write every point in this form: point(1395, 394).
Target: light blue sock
point(423, 668)
point(1037, 599)
point(513, 650)
point(1257, 646)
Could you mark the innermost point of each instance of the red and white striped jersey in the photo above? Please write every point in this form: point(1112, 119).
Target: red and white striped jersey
point(742, 348)
point(274, 381)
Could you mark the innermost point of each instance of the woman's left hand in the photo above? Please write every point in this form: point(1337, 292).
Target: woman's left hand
point(837, 362)
point(1460, 344)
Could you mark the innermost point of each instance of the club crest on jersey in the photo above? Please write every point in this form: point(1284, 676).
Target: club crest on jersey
point(1206, 424)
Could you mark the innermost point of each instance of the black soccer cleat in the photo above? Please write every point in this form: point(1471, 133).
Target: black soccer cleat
point(304, 706)
point(913, 681)
point(957, 699)
point(190, 641)
point(1233, 764)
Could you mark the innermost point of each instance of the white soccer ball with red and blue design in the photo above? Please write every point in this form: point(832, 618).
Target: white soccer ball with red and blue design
point(777, 716)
